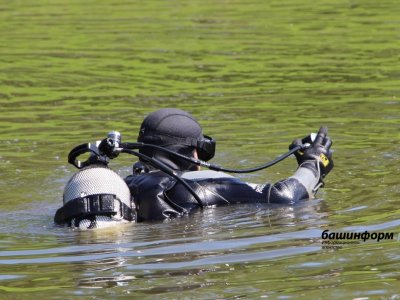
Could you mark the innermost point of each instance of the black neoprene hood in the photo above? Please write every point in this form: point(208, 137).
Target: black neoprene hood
point(169, 125)
point(174, 129)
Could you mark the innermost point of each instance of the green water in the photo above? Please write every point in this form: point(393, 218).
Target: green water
point(257, 74)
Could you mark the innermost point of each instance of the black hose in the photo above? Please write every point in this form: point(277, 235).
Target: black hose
point(255, 169)
point(214, 166)
point(163, 167)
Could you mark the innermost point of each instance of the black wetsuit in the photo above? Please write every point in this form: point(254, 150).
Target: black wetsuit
point(158, 196)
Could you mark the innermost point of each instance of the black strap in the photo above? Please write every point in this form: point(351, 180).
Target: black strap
point(168, 139)
point(99, 204)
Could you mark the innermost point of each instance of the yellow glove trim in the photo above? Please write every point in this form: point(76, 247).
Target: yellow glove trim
point(324, 159)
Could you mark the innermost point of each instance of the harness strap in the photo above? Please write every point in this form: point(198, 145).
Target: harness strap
point(99, 204)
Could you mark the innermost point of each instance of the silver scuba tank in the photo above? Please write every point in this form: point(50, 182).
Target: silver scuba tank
point(95, 197)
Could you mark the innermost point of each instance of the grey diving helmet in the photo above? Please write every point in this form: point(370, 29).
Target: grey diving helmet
point(95, 196)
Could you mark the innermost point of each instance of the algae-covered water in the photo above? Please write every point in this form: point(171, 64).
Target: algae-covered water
point(256, 74)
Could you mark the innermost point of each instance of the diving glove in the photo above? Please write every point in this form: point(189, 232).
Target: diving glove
point(317, 151)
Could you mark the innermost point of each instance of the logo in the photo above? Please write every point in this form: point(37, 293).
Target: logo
point(324, 159)
point(336, 240)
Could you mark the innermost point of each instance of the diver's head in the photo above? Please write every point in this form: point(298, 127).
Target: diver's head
point(95, 197)
point(176, 130)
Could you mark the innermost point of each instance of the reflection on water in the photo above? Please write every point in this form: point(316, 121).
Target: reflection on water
point(256, 75)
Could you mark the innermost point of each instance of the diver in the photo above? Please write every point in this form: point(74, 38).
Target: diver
point(167, 181)
point(158, 196)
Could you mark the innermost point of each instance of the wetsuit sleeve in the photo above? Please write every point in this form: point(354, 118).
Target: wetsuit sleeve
point(223, 189)
point(220, 191)
point(302, 185)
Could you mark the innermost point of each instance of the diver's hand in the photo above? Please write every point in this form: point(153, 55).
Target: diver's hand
point(319, 150)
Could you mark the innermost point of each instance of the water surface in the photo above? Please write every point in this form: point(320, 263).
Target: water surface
point(257, 74)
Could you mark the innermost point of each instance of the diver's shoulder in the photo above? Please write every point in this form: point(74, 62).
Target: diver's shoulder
point(206, 174)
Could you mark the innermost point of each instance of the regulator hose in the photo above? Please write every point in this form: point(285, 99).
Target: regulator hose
point(214, 166)
point(163, 167)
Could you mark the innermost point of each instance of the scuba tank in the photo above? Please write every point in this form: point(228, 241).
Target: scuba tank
point(95, 196)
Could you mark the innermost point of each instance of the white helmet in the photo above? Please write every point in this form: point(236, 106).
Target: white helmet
point(95, 197)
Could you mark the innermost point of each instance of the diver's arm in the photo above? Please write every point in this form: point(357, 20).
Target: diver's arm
point(302, 185)
point(217, 188)
point(315, 162)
